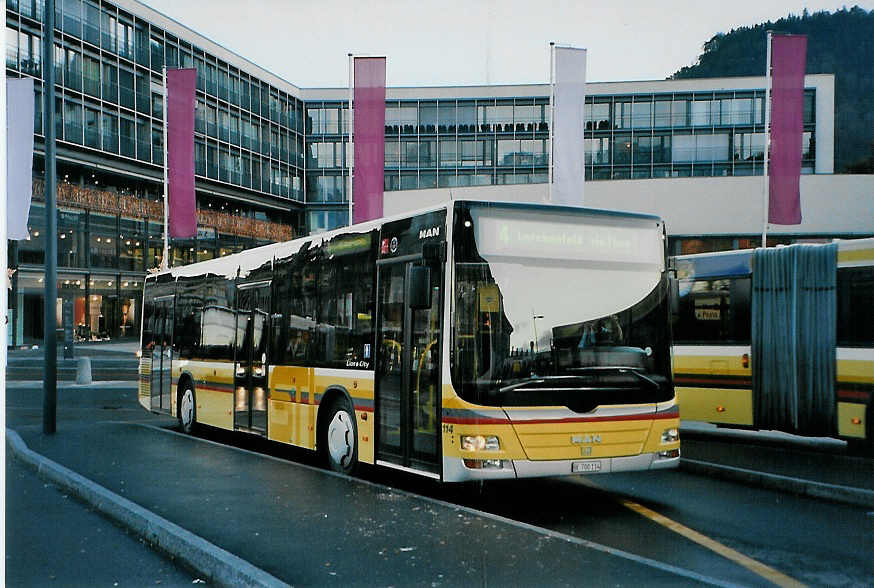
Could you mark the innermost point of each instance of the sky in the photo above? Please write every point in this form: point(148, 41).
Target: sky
point(472, 42)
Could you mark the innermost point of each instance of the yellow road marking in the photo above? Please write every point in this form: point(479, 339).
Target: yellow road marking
point(749, 563)
point(757, 567)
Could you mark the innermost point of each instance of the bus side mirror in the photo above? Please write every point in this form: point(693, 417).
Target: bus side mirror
point(419, 287)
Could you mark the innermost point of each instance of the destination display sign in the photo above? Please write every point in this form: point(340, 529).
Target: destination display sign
point(568, 236)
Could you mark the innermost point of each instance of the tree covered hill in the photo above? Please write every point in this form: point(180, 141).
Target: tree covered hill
point(841, 43)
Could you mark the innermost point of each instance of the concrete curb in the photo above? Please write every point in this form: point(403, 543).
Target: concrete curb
point(833, 492)
point(216, 564)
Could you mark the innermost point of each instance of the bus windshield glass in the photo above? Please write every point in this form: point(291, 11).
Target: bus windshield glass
point(559, 308)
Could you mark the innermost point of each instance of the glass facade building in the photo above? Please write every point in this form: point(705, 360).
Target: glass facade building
point(447, 143)
point(109, 60)
point(271, 158)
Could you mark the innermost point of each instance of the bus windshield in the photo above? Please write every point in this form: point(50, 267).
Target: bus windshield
point(559, 308)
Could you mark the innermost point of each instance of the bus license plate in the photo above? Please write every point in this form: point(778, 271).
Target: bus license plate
point(581, 467)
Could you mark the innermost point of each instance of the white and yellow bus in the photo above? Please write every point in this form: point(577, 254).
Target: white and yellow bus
point(778, 339)
point(468, 341)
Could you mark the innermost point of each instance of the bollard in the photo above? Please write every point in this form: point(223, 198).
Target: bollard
point(83, 370)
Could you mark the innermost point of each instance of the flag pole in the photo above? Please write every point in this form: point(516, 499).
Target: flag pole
point(351, 66)
point(767, 187)
point(165, 261)
point(551, 111)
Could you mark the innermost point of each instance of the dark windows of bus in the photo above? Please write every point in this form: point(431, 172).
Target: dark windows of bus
point(856, 307)
point(189, 310)
point(325, 303)
point(713, 311)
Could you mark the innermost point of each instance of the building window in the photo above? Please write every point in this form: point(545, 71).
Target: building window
point(110, 131)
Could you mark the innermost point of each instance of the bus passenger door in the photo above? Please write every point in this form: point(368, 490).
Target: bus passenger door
point(408, 368)
point(162, 355)
point(250, 365)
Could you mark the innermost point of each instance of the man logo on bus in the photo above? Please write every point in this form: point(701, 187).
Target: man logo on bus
point(432, 232)
point(578, 439)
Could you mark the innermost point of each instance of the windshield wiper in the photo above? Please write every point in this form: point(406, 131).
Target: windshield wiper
point(622, 369)
point(522, 383)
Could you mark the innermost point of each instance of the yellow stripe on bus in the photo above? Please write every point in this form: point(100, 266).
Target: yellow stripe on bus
point(853, 255)
point(716, 405)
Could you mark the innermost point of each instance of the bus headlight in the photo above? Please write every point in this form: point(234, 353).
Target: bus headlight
point(671, 435)
point(480, 443)
point(484, 464)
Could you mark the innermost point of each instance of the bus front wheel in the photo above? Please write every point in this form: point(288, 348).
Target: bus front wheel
point(340, 438)
point(187, 410)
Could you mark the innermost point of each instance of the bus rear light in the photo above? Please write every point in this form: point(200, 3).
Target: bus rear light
point(720, 409)
point(484, 464)
point(745, 360)
point(480, 443)
point(671, 435)
point(669, 454)
point(856, 421)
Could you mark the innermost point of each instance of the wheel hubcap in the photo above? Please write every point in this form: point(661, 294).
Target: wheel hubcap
point(186, 408)
point(341, 438)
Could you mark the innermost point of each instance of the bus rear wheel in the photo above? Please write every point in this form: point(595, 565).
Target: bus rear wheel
point(340, 438)
point(186, 411)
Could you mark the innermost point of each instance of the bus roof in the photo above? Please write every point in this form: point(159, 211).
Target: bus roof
point(718, 264)
point(250, 259)
point(739, 263)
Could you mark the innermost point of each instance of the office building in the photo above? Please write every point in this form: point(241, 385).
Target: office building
point(271, 158)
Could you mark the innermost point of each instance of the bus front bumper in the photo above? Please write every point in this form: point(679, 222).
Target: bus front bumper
point(455, 469)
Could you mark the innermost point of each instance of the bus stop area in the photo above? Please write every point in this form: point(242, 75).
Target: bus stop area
point(241, 518)
point(301, 525)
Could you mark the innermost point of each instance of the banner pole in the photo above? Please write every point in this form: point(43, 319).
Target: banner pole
point(551, 111)
point(351, 66)
point(767, 188)
point(165, 262)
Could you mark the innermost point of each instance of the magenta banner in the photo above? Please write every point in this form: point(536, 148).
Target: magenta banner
point(369, 138)
point(180, 152)
point(788, 59)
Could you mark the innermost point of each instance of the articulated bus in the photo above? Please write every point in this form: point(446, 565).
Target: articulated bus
point(468, 341)
point(778, 339)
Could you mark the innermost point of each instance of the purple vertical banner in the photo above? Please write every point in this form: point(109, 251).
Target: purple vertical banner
point(788, 59)
point(369, 138)
point(180, 152)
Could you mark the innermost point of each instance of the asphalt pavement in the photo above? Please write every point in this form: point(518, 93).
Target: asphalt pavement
point(296, 524)
point(54, 539)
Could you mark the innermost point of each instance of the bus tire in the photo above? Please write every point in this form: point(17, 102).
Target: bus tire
point(186, 408)
point(339, 437)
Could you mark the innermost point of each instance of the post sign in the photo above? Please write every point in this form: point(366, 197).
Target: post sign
point(67, 314)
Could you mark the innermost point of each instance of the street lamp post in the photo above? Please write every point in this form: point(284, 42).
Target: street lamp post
point(534, 318)
point(50, 383)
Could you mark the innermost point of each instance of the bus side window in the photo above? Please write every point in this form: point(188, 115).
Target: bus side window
point(855, 298)
point(713, 311)
point(148, 321)
point(189, 312)
point(740, 316)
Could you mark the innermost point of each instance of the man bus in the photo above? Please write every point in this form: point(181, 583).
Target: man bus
point(468, 341)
